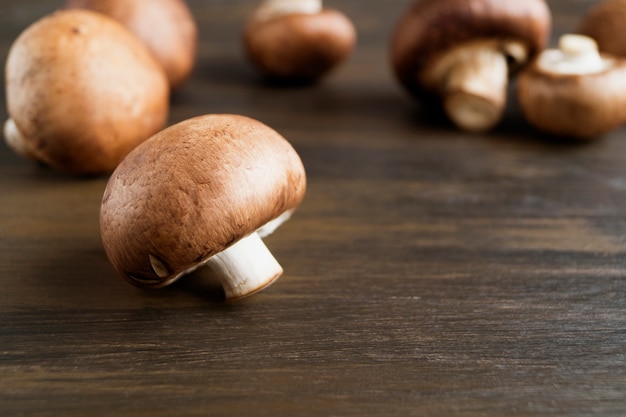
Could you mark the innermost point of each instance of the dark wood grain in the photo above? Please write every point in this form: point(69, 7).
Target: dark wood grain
point(427, 273)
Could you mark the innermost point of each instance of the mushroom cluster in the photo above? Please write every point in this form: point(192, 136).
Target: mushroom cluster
point(87, 85)
point(167, 27)
point(88, 92)
point(82, 91)
point(297, 40)
point(202, 193)
point(461, 53)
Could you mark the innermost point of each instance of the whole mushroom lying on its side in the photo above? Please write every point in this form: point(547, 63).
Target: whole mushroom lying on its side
point(166, 27)
point(461, 52)
point(297, 40)
point(574, 91)
point(82, 91)
point(202, 193)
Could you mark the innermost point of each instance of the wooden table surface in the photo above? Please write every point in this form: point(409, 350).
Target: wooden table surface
point(428, 272)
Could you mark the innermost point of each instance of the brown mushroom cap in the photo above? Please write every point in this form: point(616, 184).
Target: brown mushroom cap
point(167, 27)
point(604, 22)
point(431, 27)
point(299, 47)
point(193, 190)
point(82, 91)
point(580, 106)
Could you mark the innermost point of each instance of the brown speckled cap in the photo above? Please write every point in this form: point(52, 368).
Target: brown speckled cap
point(82, 91)
point(192, 191)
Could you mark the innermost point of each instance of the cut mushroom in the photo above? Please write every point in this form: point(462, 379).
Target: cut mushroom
point(82, 92)
point(202, 193)
point(604, 22)
point(462, 53)
point(297, 40)
point(574, 91)
point(167, 27)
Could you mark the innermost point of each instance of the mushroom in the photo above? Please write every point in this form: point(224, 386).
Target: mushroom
point(297, 40)
point(604, 22)
point(202, 192)
point(167, 27)
point(82, 91)
point(461, 53)
point(574, 91)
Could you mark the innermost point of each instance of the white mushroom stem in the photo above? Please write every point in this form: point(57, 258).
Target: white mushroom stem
point(244, 268)
point(16, 142)
point(577, 54)
point(475, 93)
point(473, 79)
point(270, 9)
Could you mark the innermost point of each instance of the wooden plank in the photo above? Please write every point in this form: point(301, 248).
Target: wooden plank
point(428, 271)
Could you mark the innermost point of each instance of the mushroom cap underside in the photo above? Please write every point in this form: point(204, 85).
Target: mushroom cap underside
point(193, 190)
point(431, 27)
point(83, 91)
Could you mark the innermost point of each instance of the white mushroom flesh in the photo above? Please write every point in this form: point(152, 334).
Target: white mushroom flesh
point(272, 225)
point(473, 80)
point(577, 54)
point(244, 268)
point(270, 9)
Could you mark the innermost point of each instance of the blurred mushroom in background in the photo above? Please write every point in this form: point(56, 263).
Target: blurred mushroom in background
point(82, 92)
point(167, 27)
point(297, 41)
point(574, 91)
point(461, 53)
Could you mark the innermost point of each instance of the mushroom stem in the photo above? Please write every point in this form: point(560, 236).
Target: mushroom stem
point(16, 142)
point(577, 54)
point(274, 8)
point(244, 268)
point(475, 89)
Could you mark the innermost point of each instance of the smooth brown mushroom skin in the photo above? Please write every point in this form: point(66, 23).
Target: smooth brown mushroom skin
point(167, 27)
point(299, 47)
point(429, 28)
point(604, 22)
point(580, 107)
point(193, 190)
point(82, 91)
